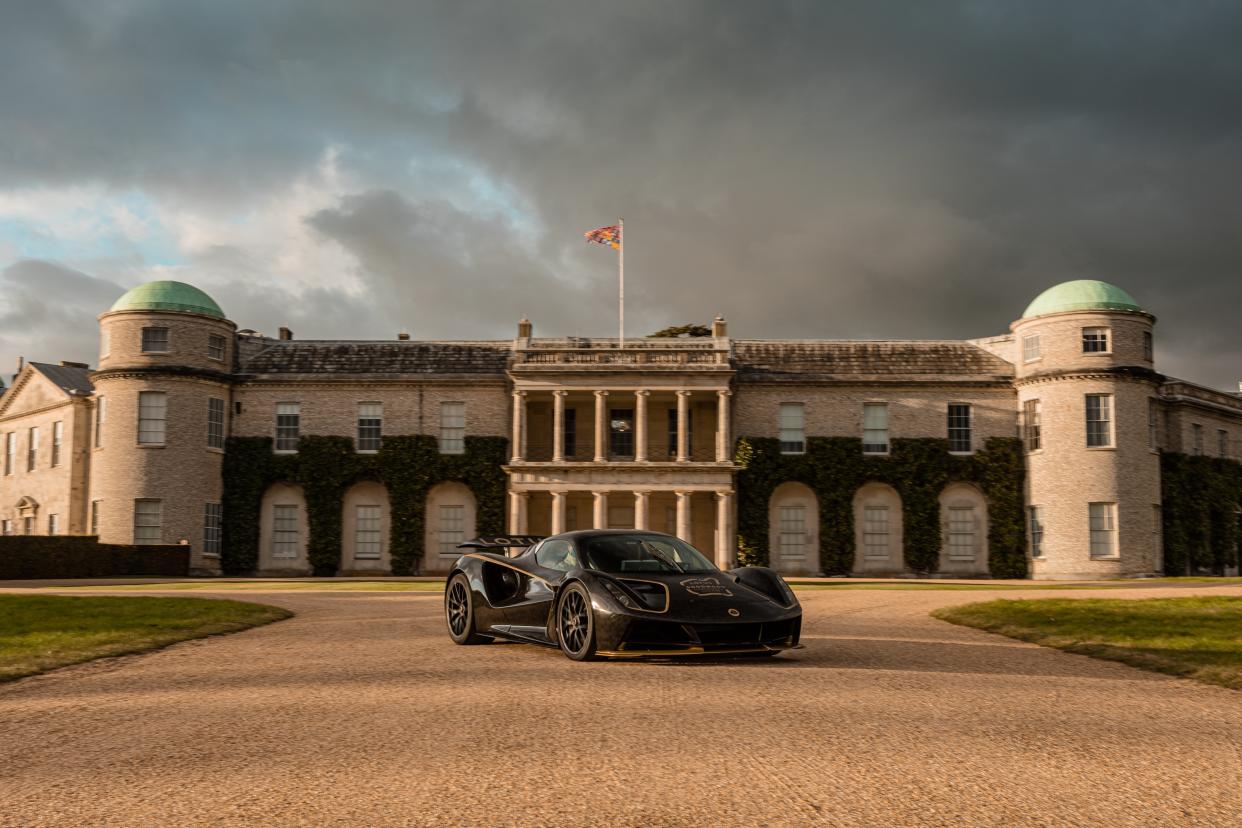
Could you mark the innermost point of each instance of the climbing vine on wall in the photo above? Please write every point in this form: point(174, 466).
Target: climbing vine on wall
point(326, 466)
point(834, 468)
point(1201, 497)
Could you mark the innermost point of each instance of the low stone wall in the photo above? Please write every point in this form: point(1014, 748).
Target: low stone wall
point(82, 556)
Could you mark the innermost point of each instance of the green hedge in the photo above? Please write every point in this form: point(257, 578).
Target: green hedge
point(325, 467)
point(1200, 498)
point(834, 468)
point(83, 556)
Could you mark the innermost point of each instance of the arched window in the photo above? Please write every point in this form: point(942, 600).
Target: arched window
point(793, 530)
point(365, 529)
point(283, 531)
point(964, 530)
point(877, 530)
point(451, 515)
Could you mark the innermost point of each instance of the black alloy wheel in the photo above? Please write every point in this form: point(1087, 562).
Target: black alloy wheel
point(575, 623)
point(459, 612)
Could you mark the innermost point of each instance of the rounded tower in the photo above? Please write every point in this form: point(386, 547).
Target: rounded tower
point(162, 396)
point(1087, 393)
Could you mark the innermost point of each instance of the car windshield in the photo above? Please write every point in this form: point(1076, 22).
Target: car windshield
point(642, 553)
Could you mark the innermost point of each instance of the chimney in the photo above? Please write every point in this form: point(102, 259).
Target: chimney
point(21, 363)
point(719, 329)
point(525, 328)
point(286, 334)
point(403, 337)
point(64, 363)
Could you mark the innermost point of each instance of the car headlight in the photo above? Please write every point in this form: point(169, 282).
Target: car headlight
point(618, 593)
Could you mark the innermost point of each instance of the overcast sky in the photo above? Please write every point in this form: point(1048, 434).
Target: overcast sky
point(818, 169)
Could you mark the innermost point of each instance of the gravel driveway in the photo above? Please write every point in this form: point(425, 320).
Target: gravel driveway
point(359, 712)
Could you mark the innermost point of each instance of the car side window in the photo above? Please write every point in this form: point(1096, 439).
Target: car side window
point(557, 554)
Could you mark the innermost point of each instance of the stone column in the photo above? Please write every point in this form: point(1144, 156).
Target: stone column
point(600, 517)
point(642, 506)
point(683, 516)
point(558, 512)
point(722, 426)
point(519, 426)
point(601, 426)
point(683, 421)
point(724, 541)
point(558, 426)
point(517, 512)
point(640, 426)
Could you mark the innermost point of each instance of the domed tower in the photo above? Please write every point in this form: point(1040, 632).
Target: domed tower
point(163, 394)
point(1087, 393)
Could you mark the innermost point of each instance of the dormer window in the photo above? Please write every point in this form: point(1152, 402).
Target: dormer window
point(155, 340)
point(1095, 340)
point(215, 347)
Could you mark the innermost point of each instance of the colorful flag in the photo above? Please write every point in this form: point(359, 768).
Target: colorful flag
point(610, 236)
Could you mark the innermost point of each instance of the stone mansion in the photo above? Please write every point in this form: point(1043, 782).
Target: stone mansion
point(594, 435)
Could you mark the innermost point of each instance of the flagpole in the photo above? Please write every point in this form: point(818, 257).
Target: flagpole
point(621, 280)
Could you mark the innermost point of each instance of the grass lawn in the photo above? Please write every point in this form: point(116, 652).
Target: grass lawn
point(43, 632)
point(1199, 638)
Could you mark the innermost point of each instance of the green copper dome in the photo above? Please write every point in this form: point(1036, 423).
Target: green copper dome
point(1081, 295)
point(169, 296)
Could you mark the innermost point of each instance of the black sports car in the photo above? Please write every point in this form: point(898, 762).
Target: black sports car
point(619, 593)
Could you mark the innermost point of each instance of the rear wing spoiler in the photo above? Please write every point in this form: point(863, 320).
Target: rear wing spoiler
point(501, 542)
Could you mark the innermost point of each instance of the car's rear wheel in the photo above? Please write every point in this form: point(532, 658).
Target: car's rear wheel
point(575, 623)
point(459, 612)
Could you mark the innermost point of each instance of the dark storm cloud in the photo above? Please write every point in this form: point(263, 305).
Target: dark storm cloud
point(807, 169)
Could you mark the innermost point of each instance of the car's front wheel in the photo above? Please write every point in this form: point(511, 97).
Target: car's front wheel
point(575, 623)
point(459, 612)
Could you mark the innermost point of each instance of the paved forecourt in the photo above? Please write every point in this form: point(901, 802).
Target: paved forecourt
point(359, 711)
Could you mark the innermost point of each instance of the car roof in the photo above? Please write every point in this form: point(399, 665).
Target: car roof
point(585, 534)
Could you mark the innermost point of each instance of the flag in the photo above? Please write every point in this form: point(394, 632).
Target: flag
point(610, 236)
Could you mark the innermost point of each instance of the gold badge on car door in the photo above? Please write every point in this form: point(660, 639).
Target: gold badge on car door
point(734, 612)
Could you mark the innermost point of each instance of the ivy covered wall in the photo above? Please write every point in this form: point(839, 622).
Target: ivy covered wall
point(325, 467)
point(834, 468)
point(1200, 496)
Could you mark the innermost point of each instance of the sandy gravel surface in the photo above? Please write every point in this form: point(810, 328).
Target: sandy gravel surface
point(360, 712)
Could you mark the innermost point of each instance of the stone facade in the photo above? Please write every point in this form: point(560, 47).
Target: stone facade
point(608, 437)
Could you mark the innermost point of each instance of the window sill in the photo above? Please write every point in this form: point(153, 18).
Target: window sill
point(367, 451)
point(215, 450)
point(151, 445)
point(155, 353)
point(284, 451)
point(962, 453)
point(1097, 353)
point(1100, 448)
point(1105, 557)
point(1035, 451)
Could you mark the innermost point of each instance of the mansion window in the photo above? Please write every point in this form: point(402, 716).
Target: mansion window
point(672, 431)
point(284, 530)
point(1095, 340)
point(1222, 443)
point(1102, 520)
point(6, 527)
point(10, 452)
point(215, 423)
point(1153, 424)
point(58, 437)
point(370, 426)
point(569, 434)
point(53, 524)
point(32, 449)
point(1099, 420)
point(452, 427)
point(1031, 348)
point(793, 533)
point(148, 522)
point(963, 533)
point(1196, 432)
point(875, 532)
point(1147, 346)
point(452, 528)
point(621, 432)
point(95, 517)
point(155, 340)
point(1031, 425)
point(875, 428)
point(367, 532)
point(101, 415)
point(1036, 519)
point(152, 417)
point(215, 347)
point(212, 515)
point(793, 428)
point(288, 426)
point(959, 428)
point(28, 526)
